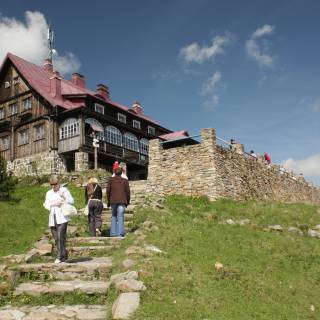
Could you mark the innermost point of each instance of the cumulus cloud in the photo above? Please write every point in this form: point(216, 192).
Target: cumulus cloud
point(28, 40)
point(255, 48)
point(199, 54)
point(309, 166)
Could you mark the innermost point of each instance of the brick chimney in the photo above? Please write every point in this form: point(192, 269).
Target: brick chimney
point(78, 79)
point(103, 91)
point(47, 65)
point(137, 108)
point(55, 85)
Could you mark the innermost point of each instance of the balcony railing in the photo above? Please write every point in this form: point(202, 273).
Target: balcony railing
point(118, 152)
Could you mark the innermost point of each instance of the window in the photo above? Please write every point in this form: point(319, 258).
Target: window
point(99, 108)
point(144, 146)
point(13, 108)
point(136, 124)
point(2, 113)
point(130, 141)
point(26, 104)
point(5, 143)
point(113, 135)
point(151, 130)
point(39, 132)
point(69, 128)
point(122, 118)
point(23, 137)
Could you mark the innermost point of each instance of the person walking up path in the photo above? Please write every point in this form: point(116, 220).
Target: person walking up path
point(118, 197)
point(58, 223)
point(93, 195)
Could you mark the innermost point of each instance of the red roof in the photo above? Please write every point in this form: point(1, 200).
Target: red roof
point(174, 135)
point(39, 79)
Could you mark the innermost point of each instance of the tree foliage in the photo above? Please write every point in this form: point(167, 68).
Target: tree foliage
point(7, 182)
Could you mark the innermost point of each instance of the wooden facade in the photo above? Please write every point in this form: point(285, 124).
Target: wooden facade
point(30, 123)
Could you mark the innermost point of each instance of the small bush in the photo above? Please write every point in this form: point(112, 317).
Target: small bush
point(7, 182)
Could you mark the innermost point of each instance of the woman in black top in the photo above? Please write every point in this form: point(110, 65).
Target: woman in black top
point(93, 195)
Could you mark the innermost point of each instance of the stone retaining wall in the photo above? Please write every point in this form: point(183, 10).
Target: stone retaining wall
point(42, 163)
point(210, 170)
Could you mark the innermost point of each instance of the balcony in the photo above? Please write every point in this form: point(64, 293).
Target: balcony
point(117, 152)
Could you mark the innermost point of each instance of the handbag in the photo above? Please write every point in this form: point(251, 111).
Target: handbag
point(68, 210)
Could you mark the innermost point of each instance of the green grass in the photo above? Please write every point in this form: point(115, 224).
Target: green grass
point(23, 219)
point(265, 276)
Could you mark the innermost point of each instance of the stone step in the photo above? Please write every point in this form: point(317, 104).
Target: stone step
point(96, 240)
point(82, 268)
point(106, 223)
point(88, 249)
point(38, 288)
point(53, 312)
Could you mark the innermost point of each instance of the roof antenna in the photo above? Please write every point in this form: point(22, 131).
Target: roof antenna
point(50, 36)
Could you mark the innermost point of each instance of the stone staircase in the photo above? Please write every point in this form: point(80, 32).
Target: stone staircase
point(87, 272)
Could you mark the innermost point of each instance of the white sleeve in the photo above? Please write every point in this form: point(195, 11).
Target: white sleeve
point(47, 202)
point(67, 195)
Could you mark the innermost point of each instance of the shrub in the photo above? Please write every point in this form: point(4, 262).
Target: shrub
point(7, 182)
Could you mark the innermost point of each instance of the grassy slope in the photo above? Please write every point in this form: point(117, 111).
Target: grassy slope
point(24, 219)
point(266, 276)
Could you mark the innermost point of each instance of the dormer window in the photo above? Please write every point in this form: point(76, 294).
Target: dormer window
point(13, 108)
point(136, 124)
point(27, 104)
point(151, 130)
point(99, 108)
point(122, 118)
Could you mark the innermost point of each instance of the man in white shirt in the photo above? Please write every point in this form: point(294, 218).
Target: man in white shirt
point(57, 221)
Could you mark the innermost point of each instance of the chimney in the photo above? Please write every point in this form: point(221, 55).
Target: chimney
point(103, 91)
point(78, 79)
point(47, 65)
point(55, 85)
point(137, 108)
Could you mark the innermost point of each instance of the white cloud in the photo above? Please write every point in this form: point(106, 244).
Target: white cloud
point(265, 30)
point(210, 88)
point(309, 166)
point(255, 50)
point(195, 53)
point(29, 41)
point(211, 84)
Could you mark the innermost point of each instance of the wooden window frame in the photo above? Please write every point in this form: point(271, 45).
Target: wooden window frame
point(123, 116)
point(136, 124)
point(152, 130)
point(97, 106)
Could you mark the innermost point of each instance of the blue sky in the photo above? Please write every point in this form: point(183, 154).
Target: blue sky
point(249, 69)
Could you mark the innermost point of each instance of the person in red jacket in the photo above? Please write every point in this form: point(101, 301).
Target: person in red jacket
point(267, 158)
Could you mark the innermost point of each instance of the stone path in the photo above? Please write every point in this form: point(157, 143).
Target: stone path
point(85, 275)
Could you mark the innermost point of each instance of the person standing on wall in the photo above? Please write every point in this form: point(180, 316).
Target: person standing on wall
point(58, 223)
point(118, 197)
point(267, 158)
point(93, 197)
